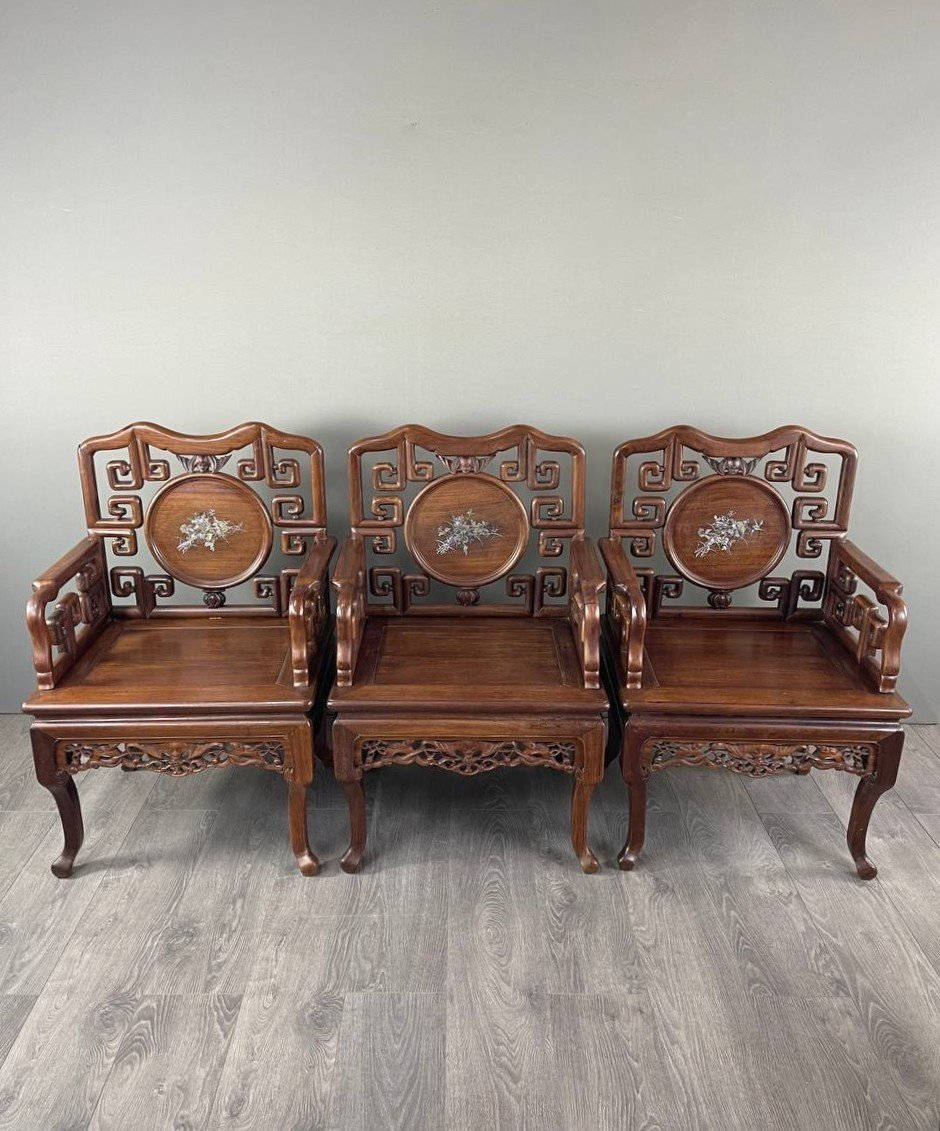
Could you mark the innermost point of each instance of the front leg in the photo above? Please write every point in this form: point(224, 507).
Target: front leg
point(300, 775)
point(635, 775)
point(62, 787)
point(870, 788)
point(349, 776)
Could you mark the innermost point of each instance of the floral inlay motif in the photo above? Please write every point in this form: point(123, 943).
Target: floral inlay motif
point(206, 529)
point(725, 531)
point(463, 531)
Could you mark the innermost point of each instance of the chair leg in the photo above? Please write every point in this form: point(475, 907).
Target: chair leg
point(356, 799)
point(62, 788)
point(297, 790)
point(580, 803)
point(866, 796)
point(632, 769)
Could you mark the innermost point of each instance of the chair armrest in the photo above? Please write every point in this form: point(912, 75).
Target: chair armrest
point(57, 643)
point(309, 608)
point(584, 608)
point(349, 585)
point(873, 638)
point(626, 607)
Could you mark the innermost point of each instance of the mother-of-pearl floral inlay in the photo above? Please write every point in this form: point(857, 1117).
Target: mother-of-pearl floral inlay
point(463, 531)
point(725, 532)
point(205, 528)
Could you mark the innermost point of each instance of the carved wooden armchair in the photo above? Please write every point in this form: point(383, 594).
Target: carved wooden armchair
point(427, 673)
point(804, 676)
point(132, 674)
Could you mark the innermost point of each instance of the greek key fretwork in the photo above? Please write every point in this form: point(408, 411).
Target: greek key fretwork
point(466, 756)
point(137, 461)
point(176, 757)
point(760, 759)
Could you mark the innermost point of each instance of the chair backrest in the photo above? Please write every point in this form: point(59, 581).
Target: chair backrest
point(723, 513)
point(444, 517)
point(208, 508)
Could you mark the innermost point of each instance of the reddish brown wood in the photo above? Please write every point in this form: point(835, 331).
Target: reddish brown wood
point(493, 678)
point(804, 681)
point(180, 688)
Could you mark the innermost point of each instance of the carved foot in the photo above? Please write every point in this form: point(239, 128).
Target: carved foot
point(308, 863)
point(627, 858)
point(866, 870)
point(588, 862)
point(356, 799)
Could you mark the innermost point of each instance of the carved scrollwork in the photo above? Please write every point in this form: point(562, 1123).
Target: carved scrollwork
point(116, 515)
point(545, 474)
point(817, 473)
point(176, 757)
point(760, 759)
point(467, 756)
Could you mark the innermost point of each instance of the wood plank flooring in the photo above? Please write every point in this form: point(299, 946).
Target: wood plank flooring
point(471, 977)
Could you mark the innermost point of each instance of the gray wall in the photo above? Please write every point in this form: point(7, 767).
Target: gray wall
point(597, 217)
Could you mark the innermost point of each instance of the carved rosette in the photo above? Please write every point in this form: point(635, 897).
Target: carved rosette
point(467, 756)
point(176, 757)
point(759, 759)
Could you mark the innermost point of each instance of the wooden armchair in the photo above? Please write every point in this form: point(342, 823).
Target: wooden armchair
point(129, 674)
point(802, 679)
point(427, 673)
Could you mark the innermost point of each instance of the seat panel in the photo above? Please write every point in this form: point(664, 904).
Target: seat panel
point(754, 667)
point(508, 663)
point(221, 664)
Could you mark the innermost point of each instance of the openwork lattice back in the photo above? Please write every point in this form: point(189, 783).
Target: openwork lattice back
point(204, 512)
point(443, 518)
point(723, 514)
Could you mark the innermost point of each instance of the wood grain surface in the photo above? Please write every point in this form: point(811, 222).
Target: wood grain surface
point(740, 978)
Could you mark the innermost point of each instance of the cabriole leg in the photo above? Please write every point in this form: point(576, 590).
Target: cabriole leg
point(356, 799)
point(62, 787)
point(301, 775)
point(866, 796)
point(631, 765)
point(580, 803)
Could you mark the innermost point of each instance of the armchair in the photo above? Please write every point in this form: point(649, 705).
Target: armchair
point(803, 677)
point(130, 672)
point(439, 665)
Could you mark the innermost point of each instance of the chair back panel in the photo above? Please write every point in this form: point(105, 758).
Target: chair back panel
point(724, 513)
point(444, 517)
point(202, 512)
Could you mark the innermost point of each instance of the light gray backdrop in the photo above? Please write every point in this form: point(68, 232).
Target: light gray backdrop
point(600, 218)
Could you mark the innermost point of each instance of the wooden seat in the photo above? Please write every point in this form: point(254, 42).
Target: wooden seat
point(498, 662)
point(780, 673)
point(431, 673)
point(128, 678)
point(755, 667)
point(218, 664)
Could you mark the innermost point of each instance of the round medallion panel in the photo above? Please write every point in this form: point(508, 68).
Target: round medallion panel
point(726, 532)
point(467, 530)
point(210, 531)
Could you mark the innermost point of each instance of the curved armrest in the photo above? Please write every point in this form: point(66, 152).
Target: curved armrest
point(90, 607)
point(584, 609)
point(349, 585)
point(309, 607)
point(877, 646)
point(627, 608)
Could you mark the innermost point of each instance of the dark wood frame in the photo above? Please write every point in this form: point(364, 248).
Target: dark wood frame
point(69, 629)
point(861, 634)
point(467, 735)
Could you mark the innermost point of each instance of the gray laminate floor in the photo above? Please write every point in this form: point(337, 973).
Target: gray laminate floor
point(470, 977)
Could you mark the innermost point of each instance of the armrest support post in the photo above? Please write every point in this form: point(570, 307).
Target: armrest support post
point(309, 608)
point(584, 610)
point(349, 585)
point(626, 607)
